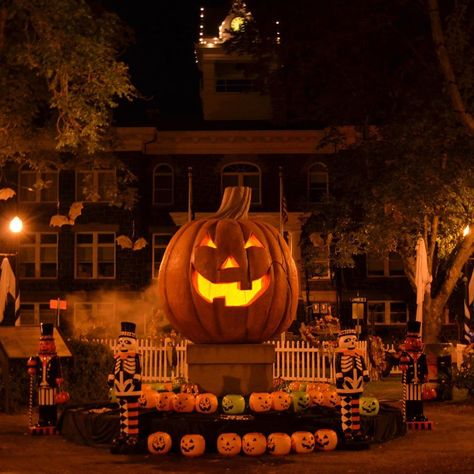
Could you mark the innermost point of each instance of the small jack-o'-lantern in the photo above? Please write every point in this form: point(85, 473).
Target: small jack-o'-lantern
point(254, 444)
point(159, 443)
point(233, 404)
point(183, 403)
point(279, 444)
point(302, 442)
point(229, 279)
point(331, 399)
point(369, 406)
point(281, 400)
point(316, 398)
point(164, 401)
point(192, 445)
point(148, 398)
point(229, 444)
point(322, 387)
point(206, 403)
point(260, 402)
point(301, 401)
point(297, 386)
point(326, 440)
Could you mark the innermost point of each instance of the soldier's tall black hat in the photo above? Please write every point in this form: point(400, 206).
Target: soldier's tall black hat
point(128, 329)
point(46, 331)
point(413, 328)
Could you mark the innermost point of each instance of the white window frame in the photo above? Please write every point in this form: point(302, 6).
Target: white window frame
point(171, 173)
point(94, 306)
point(387, 312)
point(240, 177)
point(95, 255)
point(36, 194)
point(322, 170)
point(36, 312)
point(386, 267)
point(155, 247)
point(37, 246)
point(95, 184)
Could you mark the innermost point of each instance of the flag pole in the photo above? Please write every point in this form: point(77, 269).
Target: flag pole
point(280, 173)
point(468, 299)
point(190, 193)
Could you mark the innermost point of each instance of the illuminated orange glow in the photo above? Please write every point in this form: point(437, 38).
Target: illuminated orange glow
point(232, 293)
point(207, 242)
point(253, 242)
point(230, 262)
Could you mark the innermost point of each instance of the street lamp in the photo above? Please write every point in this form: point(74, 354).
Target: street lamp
point(16, 225)
point(466, 230)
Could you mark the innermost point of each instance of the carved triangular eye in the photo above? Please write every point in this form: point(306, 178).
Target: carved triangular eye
point(207, 242)
point(253, 242)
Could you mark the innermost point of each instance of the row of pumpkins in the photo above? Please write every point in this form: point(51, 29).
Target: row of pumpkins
point(258, 402)
point(251, 444)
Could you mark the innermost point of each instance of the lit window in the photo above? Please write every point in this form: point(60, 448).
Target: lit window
point(96, 185)
point(389, 266)
point(243, 174)
point(93, 319)
point(163, 184)
point(320, 257)
point(38, 186)
point(32, 314)
point(387, 312)
point(318, 187)
point(38, 255)
point(160, 242)
point(95, 255)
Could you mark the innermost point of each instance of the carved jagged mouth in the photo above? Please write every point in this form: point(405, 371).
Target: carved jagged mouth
point(231, 292)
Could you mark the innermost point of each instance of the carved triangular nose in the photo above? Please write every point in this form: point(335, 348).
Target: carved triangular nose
point(230, 262)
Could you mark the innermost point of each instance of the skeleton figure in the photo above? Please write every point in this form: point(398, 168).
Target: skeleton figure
point(415, 369)
point(46, 370)
point(351, 373)
point(126, 380)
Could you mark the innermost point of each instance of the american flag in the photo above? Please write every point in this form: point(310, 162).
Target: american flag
point(9, 295)
point(283, 205)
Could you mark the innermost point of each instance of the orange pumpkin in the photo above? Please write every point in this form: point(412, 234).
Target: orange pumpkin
point(331, 399)
point(184, 402)
point(316, 398)
point(281, 400)
point(192, 445)
point(148, 398)
point(229, 444)
point(159, 443)
point(260, 402)
point(279, 444)
point(164, 401)
point(206, 403)
point(325, 439)
point(254, 444)
point(228, 279)
point(302, 442)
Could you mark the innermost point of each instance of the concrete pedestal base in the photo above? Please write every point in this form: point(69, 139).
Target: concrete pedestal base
point(231, 368)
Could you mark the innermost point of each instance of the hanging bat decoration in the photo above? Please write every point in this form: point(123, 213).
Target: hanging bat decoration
point(125, 242)
point(6, 193)
point(75, 211)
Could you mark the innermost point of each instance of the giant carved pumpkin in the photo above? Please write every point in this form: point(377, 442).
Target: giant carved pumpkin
point(229, 279)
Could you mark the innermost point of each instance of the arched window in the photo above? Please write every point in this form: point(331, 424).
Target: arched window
point(163, 184)
point(243, 174)
point(38, 186)
point(318, 179)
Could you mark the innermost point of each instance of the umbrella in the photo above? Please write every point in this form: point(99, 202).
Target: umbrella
point(9, 295)
point(422, 277)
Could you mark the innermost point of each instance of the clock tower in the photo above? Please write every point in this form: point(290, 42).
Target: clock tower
point(229, 87)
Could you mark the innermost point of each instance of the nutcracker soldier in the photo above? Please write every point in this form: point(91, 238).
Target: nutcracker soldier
point(414, 374)
point(126, 380)
point(45, 370)
point(351, 373)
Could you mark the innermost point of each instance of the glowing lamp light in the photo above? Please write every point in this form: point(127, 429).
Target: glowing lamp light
point(466, 231)
point(16, 225)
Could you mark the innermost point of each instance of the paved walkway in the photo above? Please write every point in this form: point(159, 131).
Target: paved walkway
point(448, 449)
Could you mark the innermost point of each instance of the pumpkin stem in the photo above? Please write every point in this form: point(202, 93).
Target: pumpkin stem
point(235, 203)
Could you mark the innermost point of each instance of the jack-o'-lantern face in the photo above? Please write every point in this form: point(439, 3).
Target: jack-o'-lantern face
point(369, 406)
point(192, 445)
point(331, 399)
point(278, 444)
point(126, 344)
point(184, 403)
point(159, 443)
point(281, 400)
point(260, 401)
point(316, 398)
point(301, 401)
point(148, 398)
point(228, 279)
point(233, 404)
point(254, 444)
point(229, 444)
point(302, 442)
point(325, 439)
point(164, 401)
point(206, 403)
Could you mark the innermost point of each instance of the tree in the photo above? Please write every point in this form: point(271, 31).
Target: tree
point(60, 80)
point(375, 63)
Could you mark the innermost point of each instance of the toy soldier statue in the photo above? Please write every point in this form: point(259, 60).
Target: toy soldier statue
point(45, 370)
point(351, 373)
point(126, 380)
point(415, 370)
